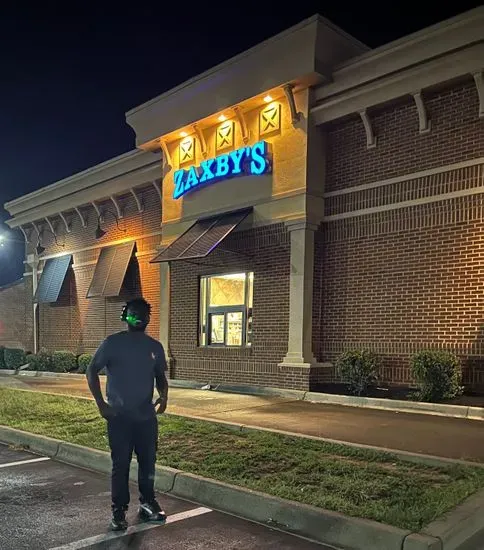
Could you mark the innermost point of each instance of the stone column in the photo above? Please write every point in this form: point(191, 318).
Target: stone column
point(165, 310)
point(300, 346)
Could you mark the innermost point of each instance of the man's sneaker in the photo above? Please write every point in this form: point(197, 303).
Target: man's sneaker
point(118, 521)
point(151, 511)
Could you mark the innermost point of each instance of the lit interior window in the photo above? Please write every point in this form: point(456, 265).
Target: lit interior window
point(226, 310)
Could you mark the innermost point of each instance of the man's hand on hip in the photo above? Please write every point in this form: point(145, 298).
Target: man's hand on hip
point(160, 405)
point(106, 410)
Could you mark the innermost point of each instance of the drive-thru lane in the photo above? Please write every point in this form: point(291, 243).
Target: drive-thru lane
point(47, 505)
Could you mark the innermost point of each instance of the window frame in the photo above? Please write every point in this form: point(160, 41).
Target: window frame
point(206, 311)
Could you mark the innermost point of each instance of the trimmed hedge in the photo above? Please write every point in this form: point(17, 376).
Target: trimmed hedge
point(83, 361)
point(14, 358)
point(42, 361)
point(2, 358)
point(64, 361)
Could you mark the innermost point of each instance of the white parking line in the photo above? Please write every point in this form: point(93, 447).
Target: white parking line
point(20, 462)
point(131, 530)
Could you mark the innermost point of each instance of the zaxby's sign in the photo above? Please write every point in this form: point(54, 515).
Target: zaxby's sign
point(247, 161)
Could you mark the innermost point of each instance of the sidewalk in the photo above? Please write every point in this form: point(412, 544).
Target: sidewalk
point(432, 435)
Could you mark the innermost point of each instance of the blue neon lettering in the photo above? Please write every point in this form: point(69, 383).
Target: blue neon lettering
point(223, 167)
point(178, 177)
point(253, 160)
point(258, 163)
point(192, 179)
point(236, 158)
point(207, 174)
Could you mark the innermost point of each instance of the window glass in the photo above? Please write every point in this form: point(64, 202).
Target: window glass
point(227, 290)
point(217, 328)
point(235, 328)
point(226, 310)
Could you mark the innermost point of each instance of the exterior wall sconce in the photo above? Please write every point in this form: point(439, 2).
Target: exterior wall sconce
point(41, 249)
point(99, 234)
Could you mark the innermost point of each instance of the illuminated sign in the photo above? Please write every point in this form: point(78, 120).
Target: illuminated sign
point(247, 161)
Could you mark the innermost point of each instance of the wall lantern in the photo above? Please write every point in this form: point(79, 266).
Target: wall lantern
point(99, 234)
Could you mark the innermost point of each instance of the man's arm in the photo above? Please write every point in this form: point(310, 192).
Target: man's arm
point(99, 361)
point(161, 382)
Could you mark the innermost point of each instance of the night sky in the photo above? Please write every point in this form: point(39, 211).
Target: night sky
point(69, 74)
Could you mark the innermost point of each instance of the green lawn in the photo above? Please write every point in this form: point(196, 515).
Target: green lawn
point(360, 483)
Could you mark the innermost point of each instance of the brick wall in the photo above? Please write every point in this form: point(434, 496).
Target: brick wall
point(265, 251)
point(410, 278)
point(456, 135)
point(16, 316)
point(78, 323)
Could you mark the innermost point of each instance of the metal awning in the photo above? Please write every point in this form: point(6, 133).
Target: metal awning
point(202, 237)
point(110, 271)
point(52, 279)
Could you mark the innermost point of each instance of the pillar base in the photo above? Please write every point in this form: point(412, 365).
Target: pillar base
point(297, 360)
point(303, 376)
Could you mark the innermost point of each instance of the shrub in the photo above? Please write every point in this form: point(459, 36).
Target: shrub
point(64, 361)
point(438, 375)
point(43, 361)
point(358, 369)
point(2, 358)
point(30, 358)
point(14, 358)
point(83, 361)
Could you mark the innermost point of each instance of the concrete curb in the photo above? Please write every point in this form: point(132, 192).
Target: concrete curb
point(459, 525)
point(331, 528)
point(411, 407)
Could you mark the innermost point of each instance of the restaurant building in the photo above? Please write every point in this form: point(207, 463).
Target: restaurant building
point(308, 196)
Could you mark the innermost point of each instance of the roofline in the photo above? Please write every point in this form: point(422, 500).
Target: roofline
point(391, 47)
point(129, 163)
point(253, 50)
point(12, 284)
point(92, 171)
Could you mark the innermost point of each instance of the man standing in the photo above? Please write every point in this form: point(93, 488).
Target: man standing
point(134, 362)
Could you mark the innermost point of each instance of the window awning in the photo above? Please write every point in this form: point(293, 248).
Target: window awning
point(110, 271)
point(52, 279)
point(201, 238)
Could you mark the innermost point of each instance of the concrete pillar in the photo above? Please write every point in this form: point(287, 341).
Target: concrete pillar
point(33, 262)
point(300, 348)
point(165, 310)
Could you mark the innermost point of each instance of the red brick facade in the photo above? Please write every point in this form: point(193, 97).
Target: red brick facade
point(16, 316)
point(409, 278)
point(395, 280)
point(77, 323)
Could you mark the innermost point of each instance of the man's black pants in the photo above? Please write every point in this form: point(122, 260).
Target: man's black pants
point(125, 436)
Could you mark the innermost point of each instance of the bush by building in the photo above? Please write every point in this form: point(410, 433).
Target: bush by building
point(64, 361)
point(438, 375)
point(358, 369)
point(83, 361)
point(14, 358)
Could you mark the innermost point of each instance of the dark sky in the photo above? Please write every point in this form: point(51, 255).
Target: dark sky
point(69, 74)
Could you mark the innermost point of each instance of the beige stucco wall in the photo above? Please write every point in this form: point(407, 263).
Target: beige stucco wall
point(277, 196)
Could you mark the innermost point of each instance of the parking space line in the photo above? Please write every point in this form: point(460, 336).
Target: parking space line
point(85, 543)
point(21, 462)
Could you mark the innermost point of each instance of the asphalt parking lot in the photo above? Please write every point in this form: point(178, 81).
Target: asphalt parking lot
point(47, 505)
